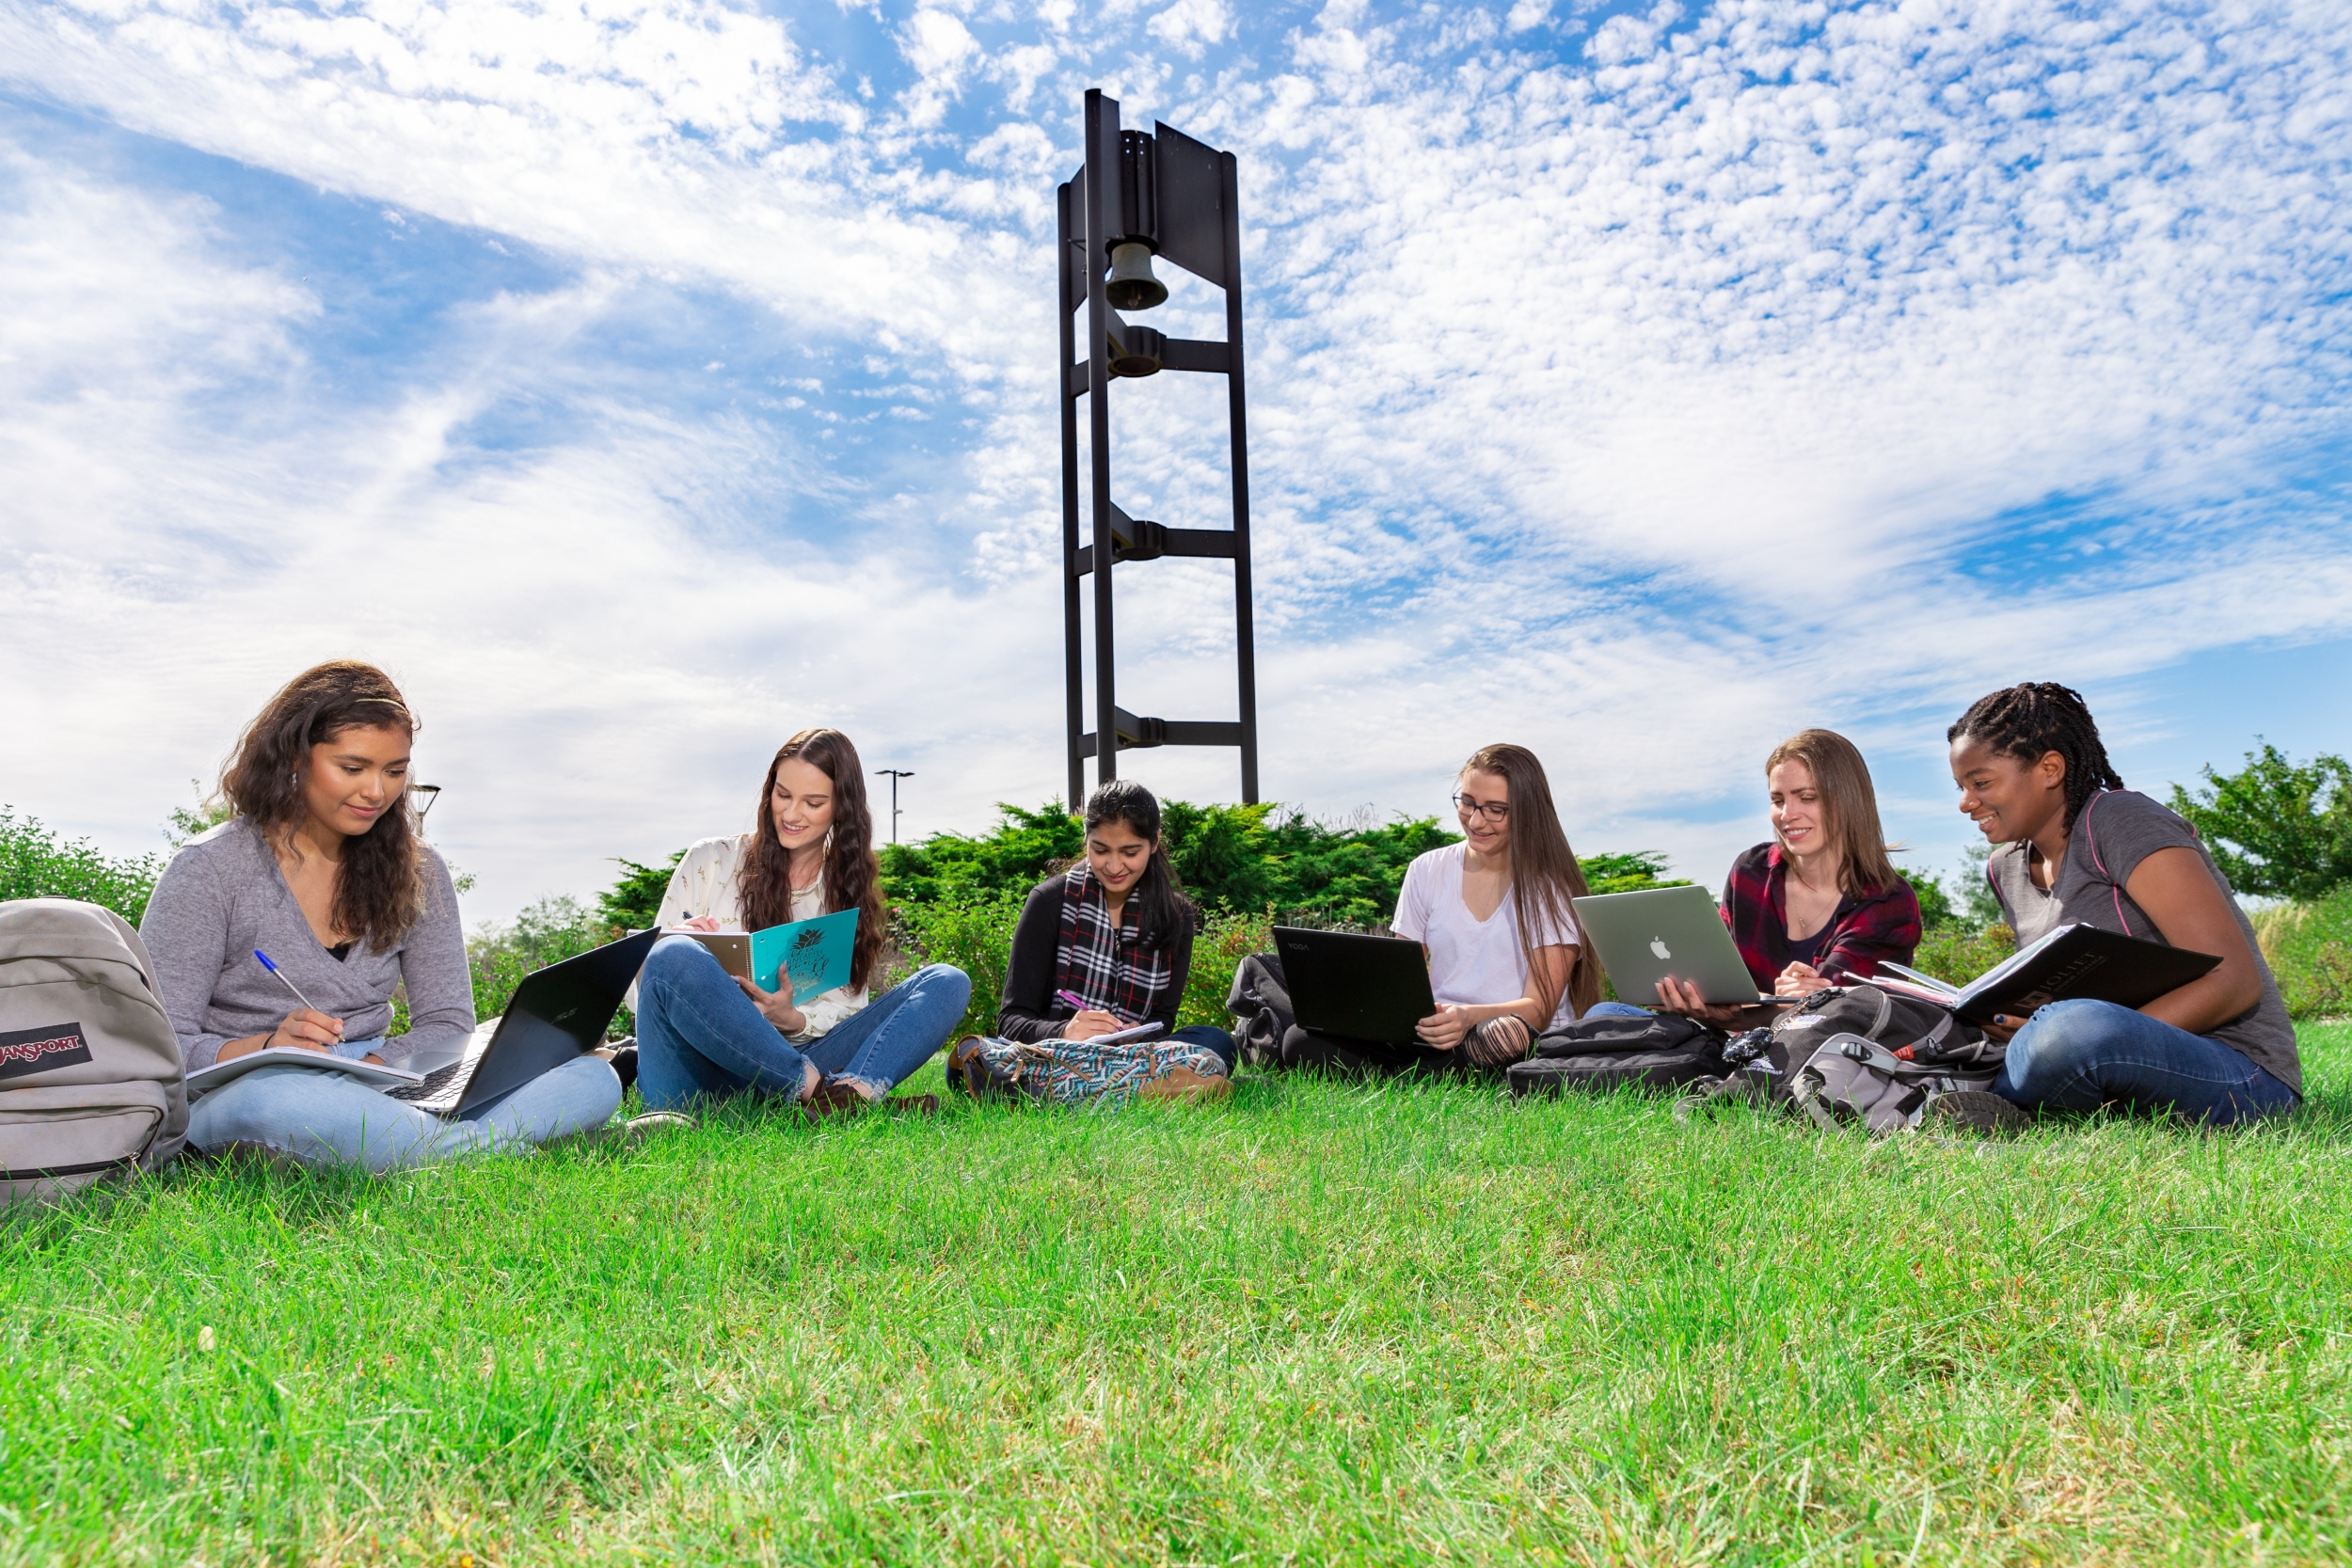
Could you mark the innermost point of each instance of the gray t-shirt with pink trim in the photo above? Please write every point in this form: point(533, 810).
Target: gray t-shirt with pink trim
point(2118, 829)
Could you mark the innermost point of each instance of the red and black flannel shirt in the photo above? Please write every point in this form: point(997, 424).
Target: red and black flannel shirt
point(1866, 930)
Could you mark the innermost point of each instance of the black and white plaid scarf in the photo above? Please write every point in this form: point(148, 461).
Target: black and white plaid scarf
point(1109, 968)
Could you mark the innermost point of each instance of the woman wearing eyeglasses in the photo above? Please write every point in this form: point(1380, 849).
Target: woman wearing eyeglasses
point(1506, 960)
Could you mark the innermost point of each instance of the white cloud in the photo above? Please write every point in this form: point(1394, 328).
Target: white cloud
point(1188, 25)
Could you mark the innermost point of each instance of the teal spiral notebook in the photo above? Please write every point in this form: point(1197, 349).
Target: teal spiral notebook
point(815, 953)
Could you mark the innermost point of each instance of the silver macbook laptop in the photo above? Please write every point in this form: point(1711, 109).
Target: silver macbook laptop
point(1644, 937)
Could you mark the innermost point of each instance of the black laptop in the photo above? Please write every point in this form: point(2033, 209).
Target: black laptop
point(1353, 987)
point(557, 1013)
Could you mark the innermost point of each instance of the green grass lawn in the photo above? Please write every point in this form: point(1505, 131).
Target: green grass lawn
point(1316, 1324)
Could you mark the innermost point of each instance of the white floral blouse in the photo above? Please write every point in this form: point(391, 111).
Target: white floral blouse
point(705, 883)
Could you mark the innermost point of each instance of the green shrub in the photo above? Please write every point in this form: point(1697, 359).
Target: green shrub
point(35, 863)
point(544, 933)
point(2309, 947)
point(1957, 954)
point(975, 934)
point(635, 900)
point(1936, 905)
point(1238, 857)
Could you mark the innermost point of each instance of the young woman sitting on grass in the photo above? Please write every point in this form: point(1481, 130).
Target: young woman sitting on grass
point(1107, 945)
point(1818, 904)
point(321, 869)
point(704, 1035)
point(1506, 959)
point(2074, 845)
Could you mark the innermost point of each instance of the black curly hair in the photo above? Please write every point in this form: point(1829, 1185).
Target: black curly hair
point(2030, 720)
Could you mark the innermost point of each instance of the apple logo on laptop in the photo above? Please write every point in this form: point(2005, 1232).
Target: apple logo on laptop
point(1658, 946)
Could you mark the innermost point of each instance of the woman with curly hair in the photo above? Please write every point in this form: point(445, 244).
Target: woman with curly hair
point(2074, 845)
point(322, 868)
point(702, 1034)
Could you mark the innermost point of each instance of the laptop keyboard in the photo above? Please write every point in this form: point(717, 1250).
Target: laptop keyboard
point(432, 1083)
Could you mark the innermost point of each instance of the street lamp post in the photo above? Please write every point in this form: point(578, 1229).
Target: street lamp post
point(1140, 196)
point(896, 774)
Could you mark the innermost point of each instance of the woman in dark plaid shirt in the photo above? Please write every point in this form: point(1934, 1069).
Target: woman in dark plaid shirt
point(1819, 904)
point(1107, 944)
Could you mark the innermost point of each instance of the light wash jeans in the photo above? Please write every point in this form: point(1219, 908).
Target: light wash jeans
point(2080, 1054)
point(1617, 1010)
point(330, 1118)
point(699, 1036)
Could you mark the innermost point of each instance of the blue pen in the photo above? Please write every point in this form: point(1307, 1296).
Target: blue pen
point(288, 984)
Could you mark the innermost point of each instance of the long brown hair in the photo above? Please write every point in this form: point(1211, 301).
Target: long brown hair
point(852, 872)
point(379, 887)
point(1849, 802)
point(1544, 873)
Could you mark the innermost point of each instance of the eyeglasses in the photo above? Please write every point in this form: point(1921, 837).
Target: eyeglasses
point(1493, 811)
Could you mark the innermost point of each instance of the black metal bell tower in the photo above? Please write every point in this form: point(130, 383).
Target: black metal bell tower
point(1139, 197)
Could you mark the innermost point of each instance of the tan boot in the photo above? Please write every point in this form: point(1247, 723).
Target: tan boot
point(1181, 1082)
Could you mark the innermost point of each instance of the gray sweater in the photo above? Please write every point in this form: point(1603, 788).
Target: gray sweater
point(223, 895)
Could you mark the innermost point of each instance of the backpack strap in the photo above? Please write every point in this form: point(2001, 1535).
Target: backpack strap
point(2092, 839)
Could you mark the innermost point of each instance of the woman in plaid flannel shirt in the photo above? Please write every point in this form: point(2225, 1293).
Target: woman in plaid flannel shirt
point(1819, 903)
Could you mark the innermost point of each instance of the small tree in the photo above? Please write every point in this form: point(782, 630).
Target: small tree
point(1936, 905)
point(634, 900)
point(2275, 828)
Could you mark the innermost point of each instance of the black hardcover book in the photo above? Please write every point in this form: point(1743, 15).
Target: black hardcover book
point(2078, 960)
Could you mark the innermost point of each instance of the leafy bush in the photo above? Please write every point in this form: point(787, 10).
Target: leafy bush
point(1958, 953)
point(2309, 947)
point(2275, 828)
point(974, 933)
point(1936, 905)
point(544, 933)
point(35, 863)
point(1259, 856)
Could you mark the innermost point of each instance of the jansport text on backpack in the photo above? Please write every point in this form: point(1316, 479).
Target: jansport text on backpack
point(1596, 1054)
point(91, 1080)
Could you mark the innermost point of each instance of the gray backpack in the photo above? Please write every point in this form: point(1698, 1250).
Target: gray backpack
point(92, 1082)
point(1852, 1080)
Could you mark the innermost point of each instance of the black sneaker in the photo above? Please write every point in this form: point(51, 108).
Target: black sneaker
point(624, 1060)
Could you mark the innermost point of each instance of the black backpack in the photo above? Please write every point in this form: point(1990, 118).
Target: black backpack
point(1658, 1050)
point(1261, 1005)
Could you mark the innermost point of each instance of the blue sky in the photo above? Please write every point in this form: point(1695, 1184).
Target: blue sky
point(641, 382)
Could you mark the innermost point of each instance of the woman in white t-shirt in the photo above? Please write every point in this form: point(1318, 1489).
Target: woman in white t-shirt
point(1506, 960)
point(703, 1035)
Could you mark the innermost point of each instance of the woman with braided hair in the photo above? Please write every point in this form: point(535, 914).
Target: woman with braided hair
point(2074, 845)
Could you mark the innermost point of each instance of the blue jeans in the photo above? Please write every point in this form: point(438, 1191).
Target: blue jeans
point(330, 1118)
point(2079, 1056)
point(1217, 1039)
point(699, 1036)
point(1617, 1010)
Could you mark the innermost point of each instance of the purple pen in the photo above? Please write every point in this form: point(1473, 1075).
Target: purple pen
point(1077, 1002)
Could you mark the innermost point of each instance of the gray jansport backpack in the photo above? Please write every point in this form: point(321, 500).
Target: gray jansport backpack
point(90, 1076)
